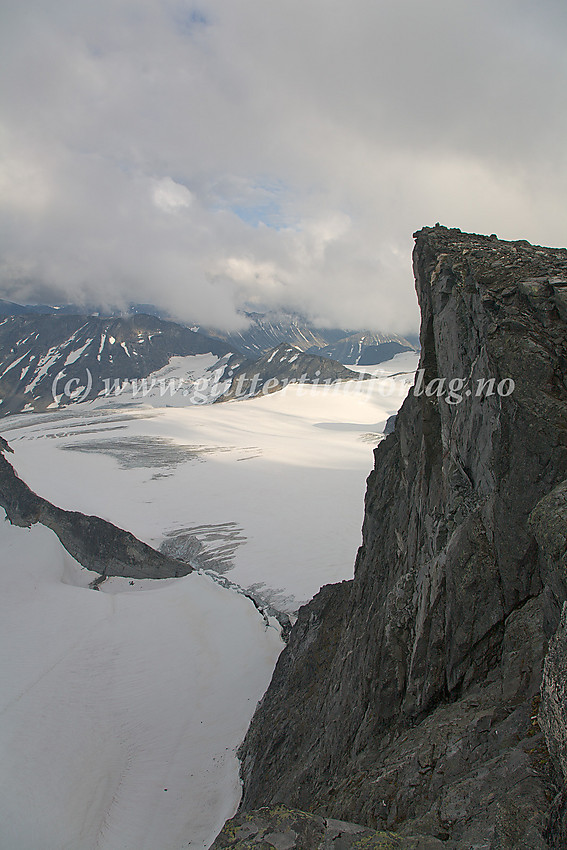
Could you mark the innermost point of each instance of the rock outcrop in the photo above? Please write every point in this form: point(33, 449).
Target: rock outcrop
point(95, 543)
point(285, 829)
point(408, 698)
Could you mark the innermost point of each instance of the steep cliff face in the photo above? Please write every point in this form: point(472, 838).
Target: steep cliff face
point(408, 698)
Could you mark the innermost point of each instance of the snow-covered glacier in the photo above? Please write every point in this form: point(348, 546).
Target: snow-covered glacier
point(122, 710)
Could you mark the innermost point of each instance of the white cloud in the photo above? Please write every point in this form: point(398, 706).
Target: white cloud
point(169, 196)
point(281, 154)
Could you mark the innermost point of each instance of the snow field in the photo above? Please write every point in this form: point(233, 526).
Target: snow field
point(288, 468)
point(109, 699)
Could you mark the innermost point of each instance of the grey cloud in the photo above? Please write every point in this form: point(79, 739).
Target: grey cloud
point(278, 155)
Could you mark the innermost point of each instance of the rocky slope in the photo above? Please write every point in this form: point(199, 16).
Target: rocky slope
point(364, 349)
point(268, 330)
point(281, 828)
point(284, 365)
point(95, 543)
point(408, 698)
point(41, 355)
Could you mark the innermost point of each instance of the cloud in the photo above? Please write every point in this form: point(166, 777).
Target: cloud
point(169, 196)
point(221, 155)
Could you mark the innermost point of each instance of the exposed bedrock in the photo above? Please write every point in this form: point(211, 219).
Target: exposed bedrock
point(408, 699)
point(284, 829)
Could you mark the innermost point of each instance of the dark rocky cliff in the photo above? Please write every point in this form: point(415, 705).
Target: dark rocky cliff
point(408, 699)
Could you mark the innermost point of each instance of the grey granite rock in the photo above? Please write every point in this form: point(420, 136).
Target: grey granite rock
point(280, 828)
point(390, 424)
point(553, 711)
point(408, 698)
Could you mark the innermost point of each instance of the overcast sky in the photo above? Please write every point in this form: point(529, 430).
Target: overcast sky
point(262, 154)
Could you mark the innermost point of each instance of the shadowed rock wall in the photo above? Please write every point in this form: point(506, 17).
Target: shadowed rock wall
point(408, 698)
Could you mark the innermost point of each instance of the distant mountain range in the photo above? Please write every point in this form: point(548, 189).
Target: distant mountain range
point(283, 365)
point(266, 331)
point(41, 354)
point(53, 355)
point(365, 349)
point(11, 308)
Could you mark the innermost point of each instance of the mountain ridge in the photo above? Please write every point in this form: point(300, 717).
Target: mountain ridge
point(41, 353)
point(364, 349)
point(94, 542)
point(266, 331)
point(283, 365)
point(50, 359)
